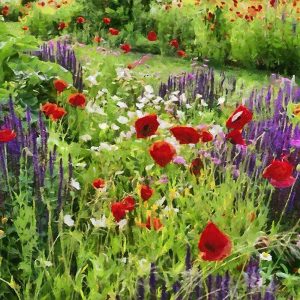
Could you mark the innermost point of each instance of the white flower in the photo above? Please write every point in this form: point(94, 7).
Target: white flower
point(221, 100)
point(140, 105)
point(216, 130)
point(203, 103)
point(115, 127)
point(48, 263)
point(149, 167)
point(116, 98)
point(75, 184)
point(149, 89)
point(123, 260)
point(103, 126)
point(182, 98)
point(180, 114)
point(123, 73)
point(123, 120)
point(122, 104)
point(101, 223)
point(92, 78)
point(161, 201)
point(80, 165)
point(94, 108)
point(265, 256)
point(198, 96)
point(85, 137)
point(122, 224)
point(69, 221)
point(131, 114)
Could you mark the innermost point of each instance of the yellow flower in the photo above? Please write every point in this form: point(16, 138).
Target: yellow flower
point(2, 233)
point(296, 110)
point(4, 220)
point(172, 194)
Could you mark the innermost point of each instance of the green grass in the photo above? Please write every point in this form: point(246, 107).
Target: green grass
point(159, 68)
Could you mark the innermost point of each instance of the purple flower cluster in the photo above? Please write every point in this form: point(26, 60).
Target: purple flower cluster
point(29, 150)
point(61, 53)
point(200, 82)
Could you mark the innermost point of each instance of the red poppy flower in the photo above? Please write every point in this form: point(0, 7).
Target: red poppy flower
point(152, 37)
point(6, 135)
point(5, 10)
point(146, 126)
point(62, 25)
point(128, 203)
point(57, 114)
point(154, 223)
point(235, 137)
point(99, 183)
point(196, 166)
point(181, 53)
point(162, 152)
point(174, 43)
point(185, 134)
point(97, 39)
point(77, 99)
point(280, 174)
point(25, 28)
point(106, 20)
point(118, 211)
point(52, 111)
point(80, 20)
point(113, 31)
point(214, 244)
point(239, 118)
point(125, 47)
point(206, 136)
point(48, 108)
point(146, 192)
point(60, 85)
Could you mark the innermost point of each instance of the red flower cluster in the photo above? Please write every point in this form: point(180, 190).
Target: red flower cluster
point(77, 100)
point(146, 192)
point(80, 20)
point(60, 85)
point(53, 111)
point(113, 31)
point(154, 223)
point(62, 25)
point(152, 37)
point(174, 43)
point(162, 152)
point(125, 47)
point(280, 174)
point(6, 135)
point(106, 21)
point(119, 209)
point(214, 245)
point(146, 126)
point(99, 183)
point(185, 134)
point(196, 166)
point(236, 122)
point(5, 10)
point(97, 39)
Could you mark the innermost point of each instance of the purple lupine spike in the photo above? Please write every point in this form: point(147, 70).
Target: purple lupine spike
point(152, 281)
point(218, 295)
point(269, 295)
point(60, 187)
point(51, 164)
point(43, 134)
point(164, 292)
point(3, 161)
point(35, 158)
point(70, 167)
point(176, 288)
point(140, 289)
point(198, 290)
point(188, 262)
point(225, 286)
point(209, 287)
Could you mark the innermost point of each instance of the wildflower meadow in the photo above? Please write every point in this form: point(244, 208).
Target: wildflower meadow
point(149, 149)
